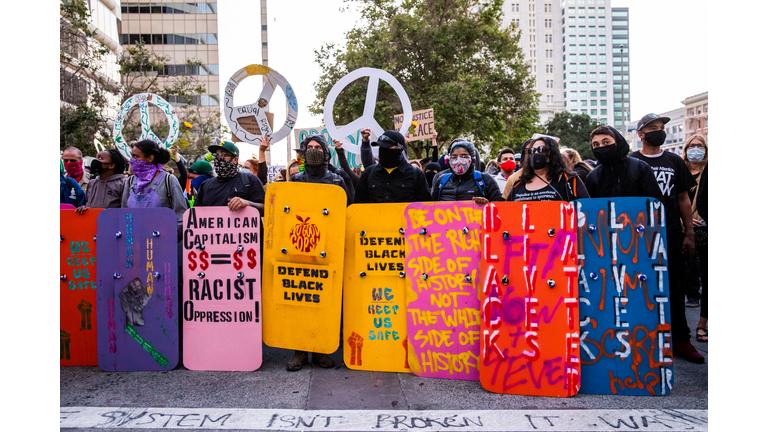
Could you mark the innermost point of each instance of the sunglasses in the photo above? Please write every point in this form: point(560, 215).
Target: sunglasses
point(389, 140)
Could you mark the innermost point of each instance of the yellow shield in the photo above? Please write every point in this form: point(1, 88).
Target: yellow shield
point(303, 264)
point(375, 332)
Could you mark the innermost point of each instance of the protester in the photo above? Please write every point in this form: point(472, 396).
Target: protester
point(492, 168)
point(544, 177)
point(73, 165)
point(433, 149)
point(574, 163)
point(618, 175)
point(70, 191)
point(259, 166)
point(696, 155)
point(366, 151)
point(150, 186)
point(702, 208)
point(506, 162)
point(462, 182)
point(415, 163)
point(344, 164)
point(674, 180)
point(518, 170)
point(430, 170)
point(292, 169)
point(393, 179)
point(105, 190)
point(232, 187)
point(181, 165)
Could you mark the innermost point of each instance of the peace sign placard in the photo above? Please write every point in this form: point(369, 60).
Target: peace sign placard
point(367, 120)
point(142, 99)
point(256, 109)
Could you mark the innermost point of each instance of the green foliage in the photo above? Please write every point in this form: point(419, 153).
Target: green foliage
point(573, 131)
point(450, 55)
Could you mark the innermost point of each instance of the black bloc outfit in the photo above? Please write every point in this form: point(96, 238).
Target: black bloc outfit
point(673, 177)
point(404, 184)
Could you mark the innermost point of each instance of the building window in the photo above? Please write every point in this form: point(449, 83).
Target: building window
point(515, 7)
point(602, 93)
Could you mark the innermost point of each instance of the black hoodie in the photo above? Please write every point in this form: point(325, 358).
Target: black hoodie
point(622, 176)
point(320, 174)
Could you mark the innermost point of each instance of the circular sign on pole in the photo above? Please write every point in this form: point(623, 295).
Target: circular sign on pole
point(142, 99)
point(256, 109)
point(367, 120)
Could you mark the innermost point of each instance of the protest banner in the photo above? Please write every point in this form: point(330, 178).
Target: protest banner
point(530, 324)
point(443, 301)
point(367, 119)
point(375, 331)
point(77, 292)
point(251, 124)
point(425, 121)
point(137, 290)
point(256, 110)
point(272, 171)
point(222, 289)
point(142, 99)
point(624, 297)
point(303, 266)
point(352, 158)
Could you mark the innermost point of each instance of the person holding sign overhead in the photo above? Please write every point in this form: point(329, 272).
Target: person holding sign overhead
point(393, 179)
point(544, 177)
point(462, 182)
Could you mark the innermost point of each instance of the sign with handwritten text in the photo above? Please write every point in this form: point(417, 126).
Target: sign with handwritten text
point(443, 280)
point(626, 345)
point(375, 331)
point(77, 293)
point(222, 289)
point(530, 310)
point(137, 289)
point(303, 266)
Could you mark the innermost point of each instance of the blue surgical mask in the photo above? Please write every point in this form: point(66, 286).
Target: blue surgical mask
point(695, 154)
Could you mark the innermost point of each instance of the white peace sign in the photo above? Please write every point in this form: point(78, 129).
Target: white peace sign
point(256, 109)
point(367, 120)
point(146, 132)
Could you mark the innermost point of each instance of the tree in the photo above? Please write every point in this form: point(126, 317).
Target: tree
point(450, 55)
point(573, 131)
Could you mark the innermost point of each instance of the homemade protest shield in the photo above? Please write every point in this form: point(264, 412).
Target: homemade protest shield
point(303, 266)
point(138, 322)
point(624, 295)
point(530, 315)
point(443, 298)
point(77, 291)
point(374, 288)
point(222, 289)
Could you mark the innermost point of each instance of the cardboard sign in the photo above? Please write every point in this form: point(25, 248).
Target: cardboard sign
point(425, 119)
point(77, 292)
point(303, 266)
point(222, 289)
point(137, 289)
point(624, 294)
point(251, 124)
point(375, 332)
point(530, 311)
point(272, 171)
point(352, 158)
point(66, 207)
point(443, 279)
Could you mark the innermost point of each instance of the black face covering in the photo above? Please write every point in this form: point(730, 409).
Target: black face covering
point(390, 157)
point(606, 154)
point(430, 176)
point(96, 166)
point(538, 161)
point(655, 138)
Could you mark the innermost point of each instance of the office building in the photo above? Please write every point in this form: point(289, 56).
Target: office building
point(620, 66)
point(540, 36)
point(697, 115)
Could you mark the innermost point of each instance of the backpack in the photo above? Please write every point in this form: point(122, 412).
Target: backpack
point(476, 175)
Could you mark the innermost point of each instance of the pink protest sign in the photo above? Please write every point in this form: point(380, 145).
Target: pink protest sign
point(443, 302)
point(222, 289)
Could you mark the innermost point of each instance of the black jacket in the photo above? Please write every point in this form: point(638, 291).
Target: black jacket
point(701, 200)
point(404, 184)
point(464, 187)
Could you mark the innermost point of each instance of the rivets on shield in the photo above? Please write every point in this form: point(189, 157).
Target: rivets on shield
point(116, 276)
point(325, 212)
point(505, 235)
point(201, 275)
point(286, 209)
point(592, 228)
point(240, 275)
point(593, 276)
point(118, 234)
point(423, 231)
point(157, 275)
point(551, 232)
point(640, 228)
point(322, 254)
point(551, 283)
point(642, 277)
point(402, 274)
point(504, 280)
point(155, 233)
point(362, 274)
point(284, 250)
point(424, 276)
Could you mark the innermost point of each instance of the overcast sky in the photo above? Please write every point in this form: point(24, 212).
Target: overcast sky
point(667, 49)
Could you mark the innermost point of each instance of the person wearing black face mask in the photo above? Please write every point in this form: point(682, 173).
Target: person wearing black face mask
point(393, 179)
point(317, 157)
point(674, 180)
point(105, 190)
point(544, 177)
point(618, 175)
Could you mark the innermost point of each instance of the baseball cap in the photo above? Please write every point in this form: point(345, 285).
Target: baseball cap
point(649, 118)
point(226, 145)
point(200, 167)
point(390, 139)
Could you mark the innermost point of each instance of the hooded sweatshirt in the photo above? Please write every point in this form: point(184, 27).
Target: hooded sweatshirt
point(464, 187)
point(106, 193)
point(621, 175)
point(320, 174)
